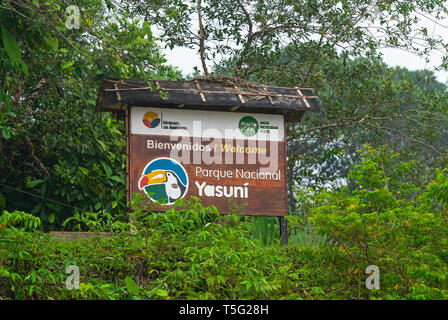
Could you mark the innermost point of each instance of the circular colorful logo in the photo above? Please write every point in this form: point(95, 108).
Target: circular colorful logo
point(151, 119)
point(164, 180)
point(248, 126)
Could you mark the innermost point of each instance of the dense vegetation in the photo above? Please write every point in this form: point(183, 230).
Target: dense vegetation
point(190, 252)
point(367, 175)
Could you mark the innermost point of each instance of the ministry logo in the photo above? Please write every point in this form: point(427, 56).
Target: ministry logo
point(151, 119)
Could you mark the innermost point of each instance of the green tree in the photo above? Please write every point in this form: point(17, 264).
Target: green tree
point(334, 47)
point(52, 142)
point(382, 221)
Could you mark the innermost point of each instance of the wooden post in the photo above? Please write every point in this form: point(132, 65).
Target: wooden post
point(282, 221)
point(128, 155)
point(283, 230)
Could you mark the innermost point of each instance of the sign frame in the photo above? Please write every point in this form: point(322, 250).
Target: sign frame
point(280, 158)
point(216, 93)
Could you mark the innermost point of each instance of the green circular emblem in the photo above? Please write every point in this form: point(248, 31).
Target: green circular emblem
point(248, 126)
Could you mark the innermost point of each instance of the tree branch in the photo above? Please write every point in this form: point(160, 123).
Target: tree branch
point(337, 124)
point(33, 156)
point(249, 21)
point(407, 136)
point(201, 39)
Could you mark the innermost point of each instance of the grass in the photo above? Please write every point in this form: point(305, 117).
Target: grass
point(267, 231)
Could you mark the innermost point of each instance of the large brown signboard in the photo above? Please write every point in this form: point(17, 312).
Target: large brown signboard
point(220, 157)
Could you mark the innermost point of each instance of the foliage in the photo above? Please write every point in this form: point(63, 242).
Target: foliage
point(182, 254)
point(54, 146)
point(253, 32)
point(266, 229)
point(191, 252)
point(19, 219)
point(368, 102)
point(57, 155)
point(101, 221)
point(335, 48)
point(382, 222)
point(63, 165)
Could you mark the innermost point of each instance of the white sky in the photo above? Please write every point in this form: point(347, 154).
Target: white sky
point(397, 57)
point(187, 59)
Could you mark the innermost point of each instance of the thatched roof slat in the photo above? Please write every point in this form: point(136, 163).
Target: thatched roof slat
point(219, 94)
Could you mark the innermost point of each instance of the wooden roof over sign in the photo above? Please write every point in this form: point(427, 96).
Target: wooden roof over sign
point(217, 94)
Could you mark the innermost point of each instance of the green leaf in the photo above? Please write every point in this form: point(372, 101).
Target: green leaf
point(131, 286)
point(161, 293)
point(8, 104)
point(68, 64)
point(24, 68)
point(37, 208)
point(6, 134)
point(52, 42)
point(51, 217)
point(54, 206)
point(107, 169)
point(32, 184)
point(10, 44)
point(116, 178)
point(103, 146)
point(147, 29)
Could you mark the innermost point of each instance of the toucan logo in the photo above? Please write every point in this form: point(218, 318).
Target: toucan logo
point(151, 119)
point(164, 180)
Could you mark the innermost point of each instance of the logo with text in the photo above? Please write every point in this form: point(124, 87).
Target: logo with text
point(164, 180)
point(151, 119)
point(248, 126)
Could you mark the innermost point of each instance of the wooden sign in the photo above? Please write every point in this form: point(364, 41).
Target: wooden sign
point(220, 157)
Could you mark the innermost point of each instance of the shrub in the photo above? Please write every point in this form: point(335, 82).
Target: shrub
point(379, 223)
point(191, 252)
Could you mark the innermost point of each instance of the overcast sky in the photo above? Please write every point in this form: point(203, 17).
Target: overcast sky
point(396, 57)
point(187, 59)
